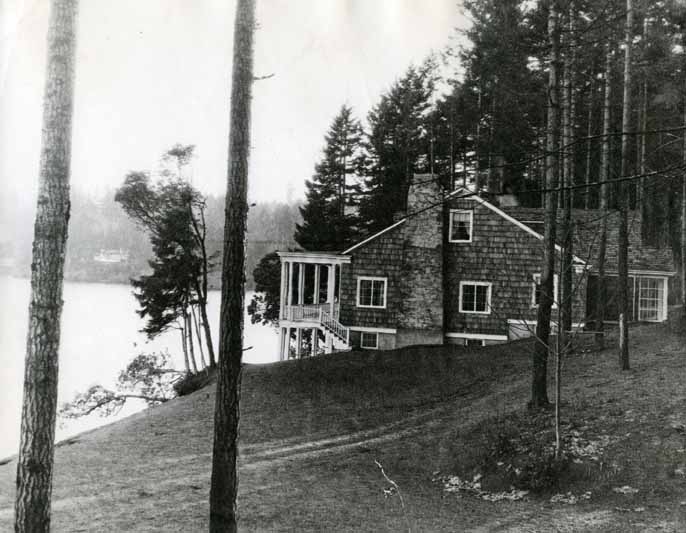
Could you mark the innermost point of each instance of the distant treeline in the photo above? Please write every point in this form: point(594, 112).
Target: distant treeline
point(99, 224)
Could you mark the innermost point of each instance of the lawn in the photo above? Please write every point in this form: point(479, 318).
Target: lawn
point(313, 430)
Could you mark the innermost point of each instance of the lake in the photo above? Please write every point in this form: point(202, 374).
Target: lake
point(100, 335)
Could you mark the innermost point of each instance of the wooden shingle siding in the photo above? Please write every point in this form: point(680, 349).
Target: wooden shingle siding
point(506, 256)
point(381, 257)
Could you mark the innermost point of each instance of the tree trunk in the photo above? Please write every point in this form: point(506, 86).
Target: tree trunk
point(200, 231)
point(189, 335)
point(683, 226)
point(567, 229)
point(184, 345)
point(196, 325)
point(539, 385)
point(36, 449)
point(643, 114)
point(589, 147)
point(622, 259)
point(224, 481)
point(604, 201)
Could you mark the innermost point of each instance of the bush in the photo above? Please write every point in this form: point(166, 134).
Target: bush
point(519, 451)
point(192, 382)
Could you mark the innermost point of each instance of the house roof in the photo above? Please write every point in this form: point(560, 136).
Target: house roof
point(587, 226)
point(642, 258)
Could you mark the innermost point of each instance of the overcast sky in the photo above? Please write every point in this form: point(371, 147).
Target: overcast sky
point(151, 73)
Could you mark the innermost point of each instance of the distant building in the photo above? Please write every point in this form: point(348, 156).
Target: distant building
point(460, 270)
point(111, 256)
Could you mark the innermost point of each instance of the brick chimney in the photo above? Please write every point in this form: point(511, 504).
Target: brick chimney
point(420, 320)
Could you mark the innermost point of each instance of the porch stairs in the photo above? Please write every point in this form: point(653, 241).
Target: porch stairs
point(333, 326)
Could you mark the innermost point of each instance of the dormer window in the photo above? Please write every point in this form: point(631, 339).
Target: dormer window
point(461, 225)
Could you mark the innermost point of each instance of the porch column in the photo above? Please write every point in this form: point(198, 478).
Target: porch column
point(330, 287)
point(301, 283)
point(298, 342)
point(281, 339)
point(315, 341)
point(329, 343)
point(317, 269)
point(284, 288)
point(290, 284)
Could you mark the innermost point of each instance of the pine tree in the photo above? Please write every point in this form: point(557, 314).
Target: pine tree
point(327, 225)
point(397, 146)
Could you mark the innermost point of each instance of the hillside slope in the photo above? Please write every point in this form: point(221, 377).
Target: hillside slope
point(312, 430)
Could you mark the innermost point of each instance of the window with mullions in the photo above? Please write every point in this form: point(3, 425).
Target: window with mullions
point(461, 222)
point(475, 297)
point(369, 340)
point(371, 292)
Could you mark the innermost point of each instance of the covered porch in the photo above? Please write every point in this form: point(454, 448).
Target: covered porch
point(310, 303)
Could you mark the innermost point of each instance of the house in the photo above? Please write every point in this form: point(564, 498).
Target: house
point(456, 268)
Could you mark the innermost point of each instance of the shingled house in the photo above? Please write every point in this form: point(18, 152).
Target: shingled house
point(456, 268)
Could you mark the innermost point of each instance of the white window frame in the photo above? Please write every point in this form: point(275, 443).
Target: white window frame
point(489, 292)
point(537, 281)
point(661, 302)
point(471, 225)
point(360, 279)
point(376, 340)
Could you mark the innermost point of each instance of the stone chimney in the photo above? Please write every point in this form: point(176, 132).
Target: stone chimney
point(420, 319)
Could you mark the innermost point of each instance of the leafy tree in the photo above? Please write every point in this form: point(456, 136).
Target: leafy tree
point(397, 145)
point(147, 377)
point(265, 304)
point(326, 225)
point(173, 214)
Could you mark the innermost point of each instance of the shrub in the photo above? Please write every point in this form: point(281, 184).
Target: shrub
point(192, 382)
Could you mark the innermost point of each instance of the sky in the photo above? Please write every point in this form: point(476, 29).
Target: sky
point(153, 73)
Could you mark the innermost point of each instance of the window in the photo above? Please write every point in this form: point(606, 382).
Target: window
point(536, 290)
point(371, 292)
point(475, 297)
point(474, 342)
point(461, 222)
point(369, 341)
point(651, 295)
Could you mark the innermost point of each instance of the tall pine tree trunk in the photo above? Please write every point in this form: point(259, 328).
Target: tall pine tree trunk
point(224, 481)
point(36, 449)
point(604, 201)
point(539, 388)
point(622, 260)
point(683, 223)
point(589, 147)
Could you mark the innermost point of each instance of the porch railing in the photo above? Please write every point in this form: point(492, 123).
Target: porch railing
point(309, 312)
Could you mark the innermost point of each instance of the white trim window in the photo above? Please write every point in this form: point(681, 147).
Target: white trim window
point(369, 340)
point(536, 290)
point(651, 299)
point(475, 297)
point(461, 225)
point(371, 292)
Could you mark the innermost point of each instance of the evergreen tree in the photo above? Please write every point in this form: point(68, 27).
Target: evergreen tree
point(326, 223)
point(397, 146)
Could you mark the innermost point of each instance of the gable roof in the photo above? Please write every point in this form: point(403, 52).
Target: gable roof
point(643, 258)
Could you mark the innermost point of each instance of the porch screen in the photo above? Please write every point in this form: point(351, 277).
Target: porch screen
point(650, 299)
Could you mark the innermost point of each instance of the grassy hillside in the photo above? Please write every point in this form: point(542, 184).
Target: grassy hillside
point(312, 430)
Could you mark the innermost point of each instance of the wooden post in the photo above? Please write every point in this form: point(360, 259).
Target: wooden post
point(301, 283)
point(290, 284)
point(298, 342)
point(317, 273)
point(315, 341)
point(330, 287)
point(284, 284)
point(281, 336)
